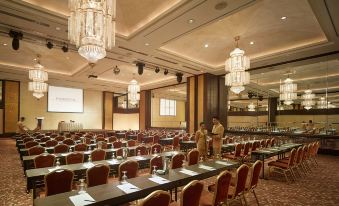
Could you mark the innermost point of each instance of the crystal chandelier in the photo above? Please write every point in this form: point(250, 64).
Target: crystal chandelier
point(280, 107)
point(288, 91)
point(236, 65)
point(322, 103)
point(251, 107)
point(308, 101)
point(91, 27)
point(133, 92)
point(38, 76)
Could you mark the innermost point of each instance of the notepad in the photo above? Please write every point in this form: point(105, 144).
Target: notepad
point(128, 188)
point(82, 199)
point(223, 163)
point(206, 167)
point(52, 169)
point(188, 172)
point(159, 180)
point(112, 161)
point(88, 165)
point(140, 158)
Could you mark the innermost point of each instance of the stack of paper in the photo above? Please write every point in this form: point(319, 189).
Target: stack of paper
point(113, 161)
point(128, 188)
point(188, 172)
point(159, 180)
point(140, 158)
point(88, 165)
point(223, 163)
point(82, 199)
point(52, 169)
point(206, 167)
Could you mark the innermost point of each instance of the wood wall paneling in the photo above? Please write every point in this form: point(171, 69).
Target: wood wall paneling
point(191, 95)
point(142, 110)
point(200, 100)
point(211, 99)
point(108, 111)
point(223, 102)
point(11, 106)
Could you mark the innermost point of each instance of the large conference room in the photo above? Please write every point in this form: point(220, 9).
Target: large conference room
point(169, 102)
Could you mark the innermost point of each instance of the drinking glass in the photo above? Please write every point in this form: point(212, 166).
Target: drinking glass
point(57, 162)
point(82, 186)
point(139, 153)
point(124, 177)
point(154, 172)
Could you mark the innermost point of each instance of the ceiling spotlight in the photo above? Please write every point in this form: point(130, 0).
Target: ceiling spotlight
point(17, 36)
point(4, 44)
point(252, 42)
point(140, 66)
point(250, 95)
point(165, 71)
point(64, 48)
point(179, 76)
point(157, 70)
point(206, 45)
point(49, 45)
point(146, 44)
point(190, 21)
point(283, 18)
point(260, 97)
point(116, 70)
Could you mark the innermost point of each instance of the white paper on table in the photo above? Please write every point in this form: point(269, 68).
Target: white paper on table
point(223, 163)
point(188, 172)
point(128, 188)
point(206, 167)
point(52, 169)
point(112, 161)
point(140, 158)
point(88, 165)
point(82, 199)
point(64, 154)
point(159, 180)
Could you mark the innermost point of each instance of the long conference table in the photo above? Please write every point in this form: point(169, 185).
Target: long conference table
point(117, 193)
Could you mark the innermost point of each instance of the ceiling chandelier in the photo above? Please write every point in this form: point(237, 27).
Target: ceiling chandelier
point(288, 91)
point(133, 92)
point(308, 101)
point(251, 107)
point(236, 67)
point(38, 76)
point(91, 27)
point(322, 103)
point(280, 107)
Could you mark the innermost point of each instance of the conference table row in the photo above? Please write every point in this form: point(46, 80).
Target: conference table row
point(118, 193)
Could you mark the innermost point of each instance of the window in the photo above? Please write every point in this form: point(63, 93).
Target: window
point(168, 107)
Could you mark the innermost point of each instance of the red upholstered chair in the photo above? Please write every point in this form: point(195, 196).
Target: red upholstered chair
point(268, 143)
point(104, 145)
point(119, 152)
point(238, 190)
point(130, 166)
point(193, 157)
point(69, 142)
point(76, 137)
point(51, 143)
point(59, 181)
point(44, 139)
point(117, 144)
point(255, 173)
point(60, 138)
point(177, 160)
point(236, 154)
point(61, 148)
point(112, 139)
point(75, 158)
point(36, 150)
point(131, 143)
point(27, 139)
point(263, 143)
point(156, 147)
point(156, 198)
point(100, 139)
point(80, 147)
point(142, 149)
point(53, 136)
point(284, 167)
point(97, 175)
point(42, 161)
point(219, 195)
point(254, 146)
point(98, 155)
point(272, 142)
point(140, 137)
point(187, 198)
point(155, 139)
point(156, 161)
point(31, 144)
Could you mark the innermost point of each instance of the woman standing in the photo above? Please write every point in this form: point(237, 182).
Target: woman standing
point(201, 140)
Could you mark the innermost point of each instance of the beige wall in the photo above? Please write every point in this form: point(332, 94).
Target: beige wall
point(246, 121)
point(167, 121)
point(288, 120)
point(125, 121)
point(30, 108)
point(1, 121)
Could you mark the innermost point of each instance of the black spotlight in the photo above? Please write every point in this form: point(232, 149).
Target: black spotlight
point(17, 36)
point(166, 72)
point(140, 66)
point(116, 70)
point(157, 70)
point(179, 77)
point(260, 97)
point(49, 45)
point(64, 48)
point(250, 95)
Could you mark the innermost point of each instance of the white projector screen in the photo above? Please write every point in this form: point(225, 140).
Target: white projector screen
point(62, 99)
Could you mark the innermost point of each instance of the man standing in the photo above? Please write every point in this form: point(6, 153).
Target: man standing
point(217, 134)
point(21, 128)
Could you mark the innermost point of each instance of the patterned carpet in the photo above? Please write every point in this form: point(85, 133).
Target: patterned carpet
point(318, 188)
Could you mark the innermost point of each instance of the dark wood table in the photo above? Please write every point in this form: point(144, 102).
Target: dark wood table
point(110, 194)
point(187, 145)
point(132, 137)
point(166, 141)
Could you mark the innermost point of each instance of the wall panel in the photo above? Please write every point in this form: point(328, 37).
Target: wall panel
point(108, 111)
point(11, 106)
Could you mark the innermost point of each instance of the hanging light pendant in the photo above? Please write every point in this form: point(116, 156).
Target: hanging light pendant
point(91, 27)
point(133, 92)
point(236, 67)
point(288, 91)
point(308, 101)
point(38, 76)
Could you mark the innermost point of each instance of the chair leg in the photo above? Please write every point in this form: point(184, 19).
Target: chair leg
point(286, 177)
point(243, 196)
point(256, 198)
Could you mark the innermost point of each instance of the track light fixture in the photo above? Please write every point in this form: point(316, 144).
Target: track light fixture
point(157, 70)
point(49, 45)
point(116, 70)
point(250, 95)
point(140, 66)
point(260, 97)
point(17, 36)
point(179, 76)
point(64, 48)
point(165, 71)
